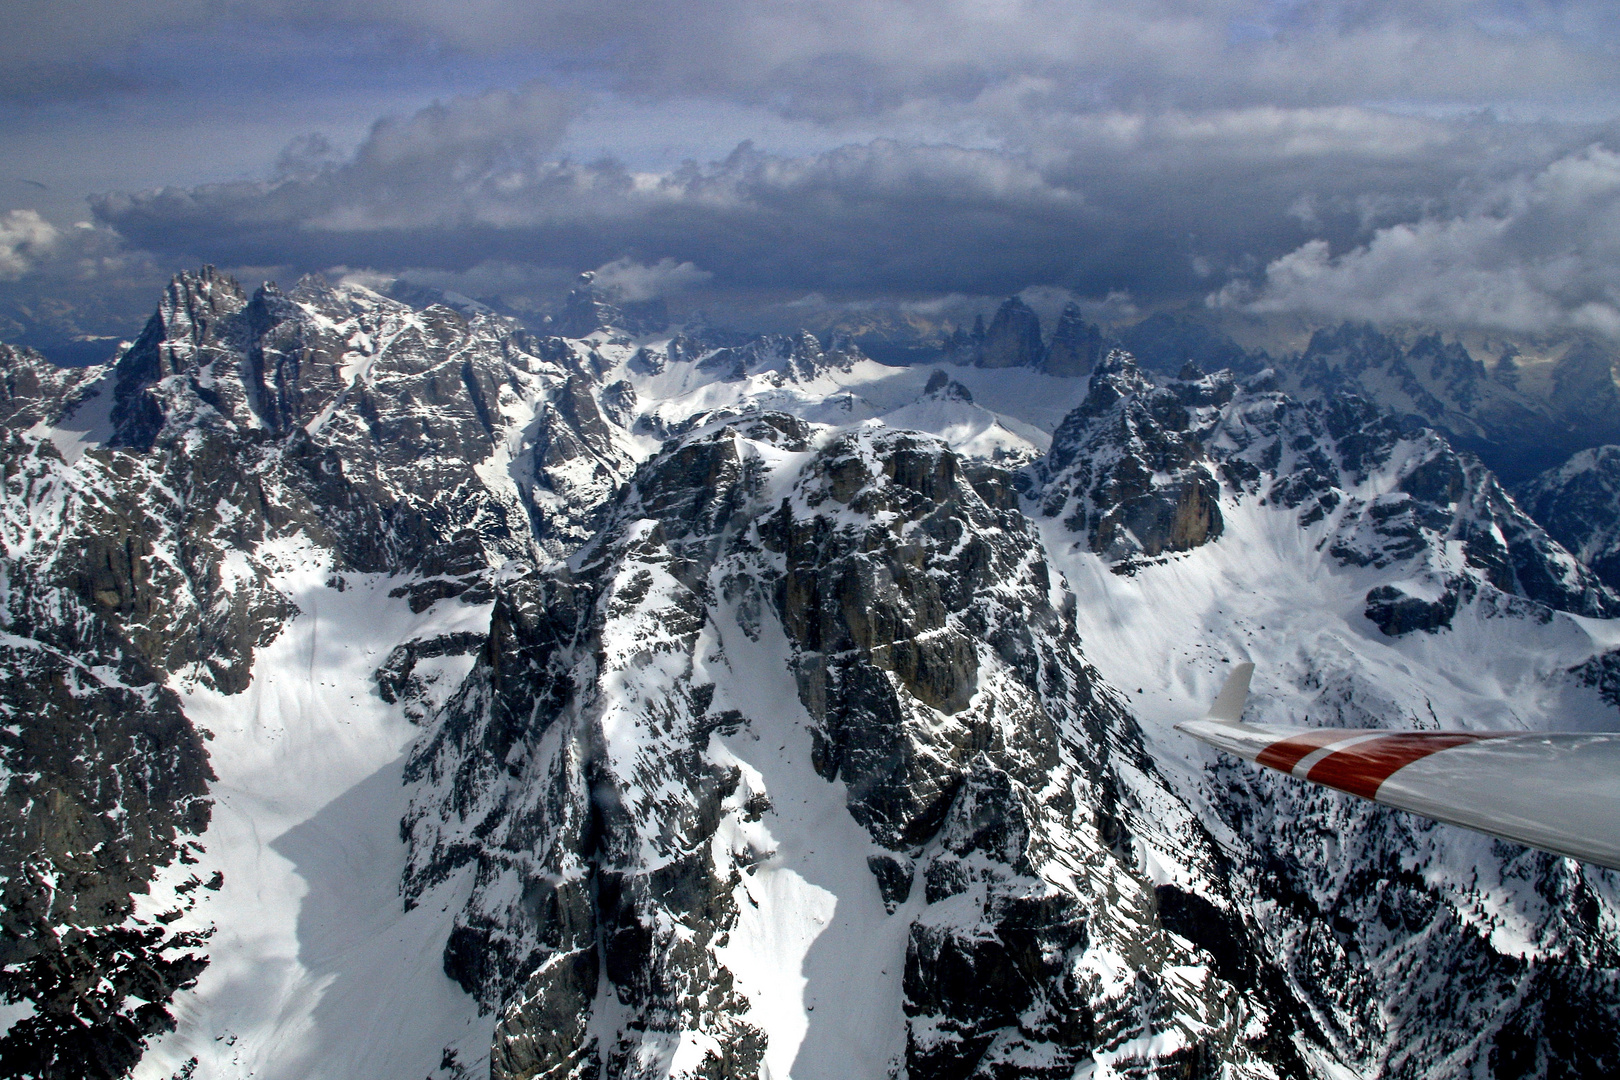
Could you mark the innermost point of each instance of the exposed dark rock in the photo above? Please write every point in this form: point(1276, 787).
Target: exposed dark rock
point(1111, 458)
point(1578, 503)
point(1075, 348)
point(398, 680)
point(1396, 611)
point(1014, 337)
point(944, 388)
point(894, 873)
point(590, 777)
point(944, 691)
point(107, 783)
point(963, 346)
point(32, 389)
point(336, 417)
point(1518, 435)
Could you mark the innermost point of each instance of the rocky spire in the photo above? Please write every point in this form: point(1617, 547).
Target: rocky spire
point(1075, 346)
point(586, 310)
point(1014, 337)
point(589, 308)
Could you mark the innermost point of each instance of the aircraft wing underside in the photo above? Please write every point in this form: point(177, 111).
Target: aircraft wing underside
point(1557, 792)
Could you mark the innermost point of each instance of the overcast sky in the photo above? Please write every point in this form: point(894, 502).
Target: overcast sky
point(1438, 161)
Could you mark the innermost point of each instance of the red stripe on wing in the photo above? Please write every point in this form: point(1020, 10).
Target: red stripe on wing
point(1361, 768)
point(1284, 754)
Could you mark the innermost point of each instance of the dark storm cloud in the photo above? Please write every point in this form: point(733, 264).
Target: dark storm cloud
point(836, 57)
point(1274, 156)
point(1157, 204)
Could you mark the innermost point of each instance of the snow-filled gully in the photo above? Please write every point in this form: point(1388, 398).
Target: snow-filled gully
point(813, 949)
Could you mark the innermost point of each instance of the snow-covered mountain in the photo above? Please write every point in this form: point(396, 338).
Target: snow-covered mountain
point(396, 692)
point(1520, 405)
point(1579, 503)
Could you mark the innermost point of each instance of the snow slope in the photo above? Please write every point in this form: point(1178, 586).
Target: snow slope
point(814, 950)
point(317, 971)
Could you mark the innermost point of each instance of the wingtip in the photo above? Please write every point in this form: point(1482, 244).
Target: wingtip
point(1233, 696)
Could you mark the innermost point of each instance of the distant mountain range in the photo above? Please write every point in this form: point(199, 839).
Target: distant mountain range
point(393, 689)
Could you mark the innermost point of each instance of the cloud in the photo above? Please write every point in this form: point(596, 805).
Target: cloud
point(421, 193)
point(629, 281)
point(832, 59)
point(1152, 150)
point(25, 239)
point(837, 58)
point(1157, 204)
point(32, 248)
point(1537, 253)
point(58, 284)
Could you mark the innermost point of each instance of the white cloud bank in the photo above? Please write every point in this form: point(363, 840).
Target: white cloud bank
point(629, 281)
point(25, 240)
point(1537, 253)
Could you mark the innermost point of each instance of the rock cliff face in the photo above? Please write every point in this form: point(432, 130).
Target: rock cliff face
point(382, 415)
point(106, 783)
point(1344, 530)
point(141, 539)
point(1520, 430)
point(32, 389)
point(1521, 415)
point(1014, 337)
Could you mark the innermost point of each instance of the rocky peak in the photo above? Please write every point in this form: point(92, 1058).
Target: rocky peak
point(630, 787)
point(190, 328)
point(842, 352)
point(589, 308)
point(941, 387)
point(652, 359)
point(372, 407)
point(1014, 337)
point(785, 358)
point(193, 302)
point(1448, 365)
point(1076, 345)
point(804, 355)
point(963, 346)
point(32, 389)
point(1114, 380)
point(1584, 389)
point(1578, 503)
point(1144, 469)
point(586, 309)
point(1518, 434)
point(1128, 466)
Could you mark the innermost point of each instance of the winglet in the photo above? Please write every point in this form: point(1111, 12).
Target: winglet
point(1229, 704)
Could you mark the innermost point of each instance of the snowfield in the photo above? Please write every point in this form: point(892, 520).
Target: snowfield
point(317, 971)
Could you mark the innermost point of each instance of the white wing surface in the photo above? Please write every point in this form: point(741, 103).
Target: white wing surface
point(1557, 792)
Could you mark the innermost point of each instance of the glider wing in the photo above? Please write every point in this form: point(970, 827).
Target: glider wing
point(1557, 792)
